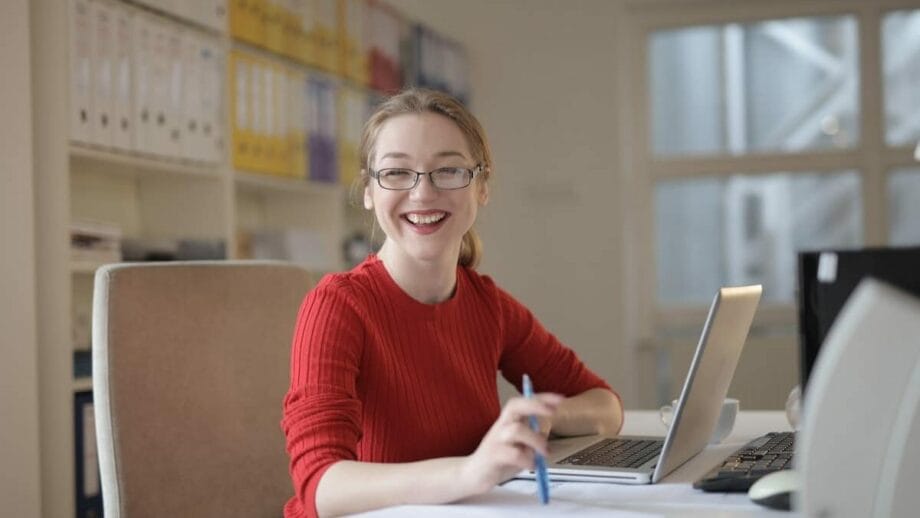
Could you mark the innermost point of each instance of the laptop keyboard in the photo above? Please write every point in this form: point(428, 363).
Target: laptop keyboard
point(763, 455)
point(616, 453)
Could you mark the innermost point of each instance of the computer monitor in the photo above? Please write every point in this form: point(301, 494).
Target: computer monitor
point(828, 277)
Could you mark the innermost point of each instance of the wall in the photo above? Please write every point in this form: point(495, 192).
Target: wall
point(543, 86)
point(19, 431)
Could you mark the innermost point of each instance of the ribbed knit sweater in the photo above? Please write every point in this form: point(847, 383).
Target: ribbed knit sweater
point(377, 376)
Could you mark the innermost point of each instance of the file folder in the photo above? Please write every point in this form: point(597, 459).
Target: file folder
point(103, 101)
point(142, 64)
point(194, 145)
point(296, 124)
point(81, 72)
point(123, 131)
point(325, 34)
point(212, 74)
point(172, 139)
point(352, 114)
point(322, 141)
point(241, 111)
point(159, 86)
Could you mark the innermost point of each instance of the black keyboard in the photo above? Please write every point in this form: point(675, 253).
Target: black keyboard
point(616, 453)
point(765, 454)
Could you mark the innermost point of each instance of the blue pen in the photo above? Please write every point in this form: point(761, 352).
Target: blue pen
point(542, 477)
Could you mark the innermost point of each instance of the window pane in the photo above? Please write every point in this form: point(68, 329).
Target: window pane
point(779, 85)
point(903, 207)
point(746, 229)
point(901, 75)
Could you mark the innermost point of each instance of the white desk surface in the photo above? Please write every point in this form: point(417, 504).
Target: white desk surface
point(673, 496)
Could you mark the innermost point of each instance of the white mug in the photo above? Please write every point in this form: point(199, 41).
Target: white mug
point(723, 428)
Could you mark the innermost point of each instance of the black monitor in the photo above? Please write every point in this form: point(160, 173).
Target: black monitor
point(826, 279)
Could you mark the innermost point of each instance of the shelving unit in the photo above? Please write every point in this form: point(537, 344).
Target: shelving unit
point(163, 197)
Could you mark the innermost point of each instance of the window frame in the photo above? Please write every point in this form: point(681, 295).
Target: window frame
point(646, 319)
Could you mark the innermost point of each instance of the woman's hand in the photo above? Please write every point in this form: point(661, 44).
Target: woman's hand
point(508, 447)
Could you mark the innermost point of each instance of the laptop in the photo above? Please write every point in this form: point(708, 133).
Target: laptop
point(646, 460)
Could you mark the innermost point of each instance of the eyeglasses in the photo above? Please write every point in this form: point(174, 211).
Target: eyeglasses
point(444, 178)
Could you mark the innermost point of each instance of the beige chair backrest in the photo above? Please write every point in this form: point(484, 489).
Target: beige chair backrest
point(190, 367)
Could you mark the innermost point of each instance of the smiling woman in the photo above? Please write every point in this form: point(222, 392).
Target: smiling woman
point(393, 363)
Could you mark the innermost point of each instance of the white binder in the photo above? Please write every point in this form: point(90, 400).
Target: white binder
point(191, 113)
point(211, 67)
point(175, 38)
point(210, 13)
point(81, 71)
point(103, 100)
point(123, 127)
point(143, 88)
point(159, 87)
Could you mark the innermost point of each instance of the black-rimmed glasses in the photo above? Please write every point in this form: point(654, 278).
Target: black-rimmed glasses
point(444, 178)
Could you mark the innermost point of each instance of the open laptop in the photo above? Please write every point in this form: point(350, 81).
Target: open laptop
point(646, 460)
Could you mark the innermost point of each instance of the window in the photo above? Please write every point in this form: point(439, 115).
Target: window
point(904, 207)
point(745, 229)
point(778, 85)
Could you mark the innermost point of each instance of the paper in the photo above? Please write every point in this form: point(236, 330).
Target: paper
point(505, 501)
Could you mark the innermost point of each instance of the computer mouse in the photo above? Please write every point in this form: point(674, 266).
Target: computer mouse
point(775, 489)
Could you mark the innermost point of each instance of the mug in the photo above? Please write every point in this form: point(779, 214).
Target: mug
point(723, 428)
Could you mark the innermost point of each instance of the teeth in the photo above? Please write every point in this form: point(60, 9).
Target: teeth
point(425, 219)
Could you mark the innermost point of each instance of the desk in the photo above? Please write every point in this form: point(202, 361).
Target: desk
point(673, 496)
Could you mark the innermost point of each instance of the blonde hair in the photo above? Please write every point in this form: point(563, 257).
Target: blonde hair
point(421, 100)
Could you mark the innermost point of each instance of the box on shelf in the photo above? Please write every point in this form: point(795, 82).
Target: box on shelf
point(302, 246)
point(95, 241)
point(174, 249)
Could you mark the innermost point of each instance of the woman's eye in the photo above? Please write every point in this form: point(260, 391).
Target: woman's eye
point(395, 173)
point(449, 171)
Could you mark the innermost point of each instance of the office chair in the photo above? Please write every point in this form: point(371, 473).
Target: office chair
point(190, 366)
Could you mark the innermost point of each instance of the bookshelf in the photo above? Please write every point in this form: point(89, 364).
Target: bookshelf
point(157, 196)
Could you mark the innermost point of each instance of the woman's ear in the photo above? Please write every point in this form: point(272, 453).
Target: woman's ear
point(368, 200)
point(483, 194)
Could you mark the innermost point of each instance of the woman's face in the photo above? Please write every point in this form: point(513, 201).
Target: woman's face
point(424, 223)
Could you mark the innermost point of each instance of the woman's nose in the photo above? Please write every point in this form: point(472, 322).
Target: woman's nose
point(424, 189)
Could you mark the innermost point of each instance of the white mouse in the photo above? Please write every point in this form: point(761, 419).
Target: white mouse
point(775, 490)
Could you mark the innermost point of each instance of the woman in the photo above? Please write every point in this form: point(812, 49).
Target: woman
point(393, 396)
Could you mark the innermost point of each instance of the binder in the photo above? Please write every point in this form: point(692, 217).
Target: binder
point(209, 13)
point(123, 131)
point(304, 40)
point(142, 57)
point(385, 34)
point(282, 162)
point(173, 137)
point(275, 13)
point(81, 72)
point(103, 101)
point(193, 143)
point(159, 86)
point(241, 113)
point(352, 17)
point(322, 141)
point(325, 34)
point(296, 123)
point(258, 151)
point(212, 74)
point(88, 487)
point(352, 112)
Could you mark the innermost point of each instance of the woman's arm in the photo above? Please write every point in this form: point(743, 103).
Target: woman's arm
point(507, 448)
point(596, 410)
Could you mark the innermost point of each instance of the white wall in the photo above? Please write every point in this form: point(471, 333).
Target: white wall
point(543, 86)
point(19, 432)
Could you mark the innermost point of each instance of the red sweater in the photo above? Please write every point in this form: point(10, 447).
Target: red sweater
point(377, 376)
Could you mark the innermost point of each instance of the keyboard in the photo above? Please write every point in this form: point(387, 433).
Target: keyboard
point(616, 453)
point(763, 455)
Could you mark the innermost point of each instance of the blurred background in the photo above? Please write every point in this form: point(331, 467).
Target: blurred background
point(647, 152)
